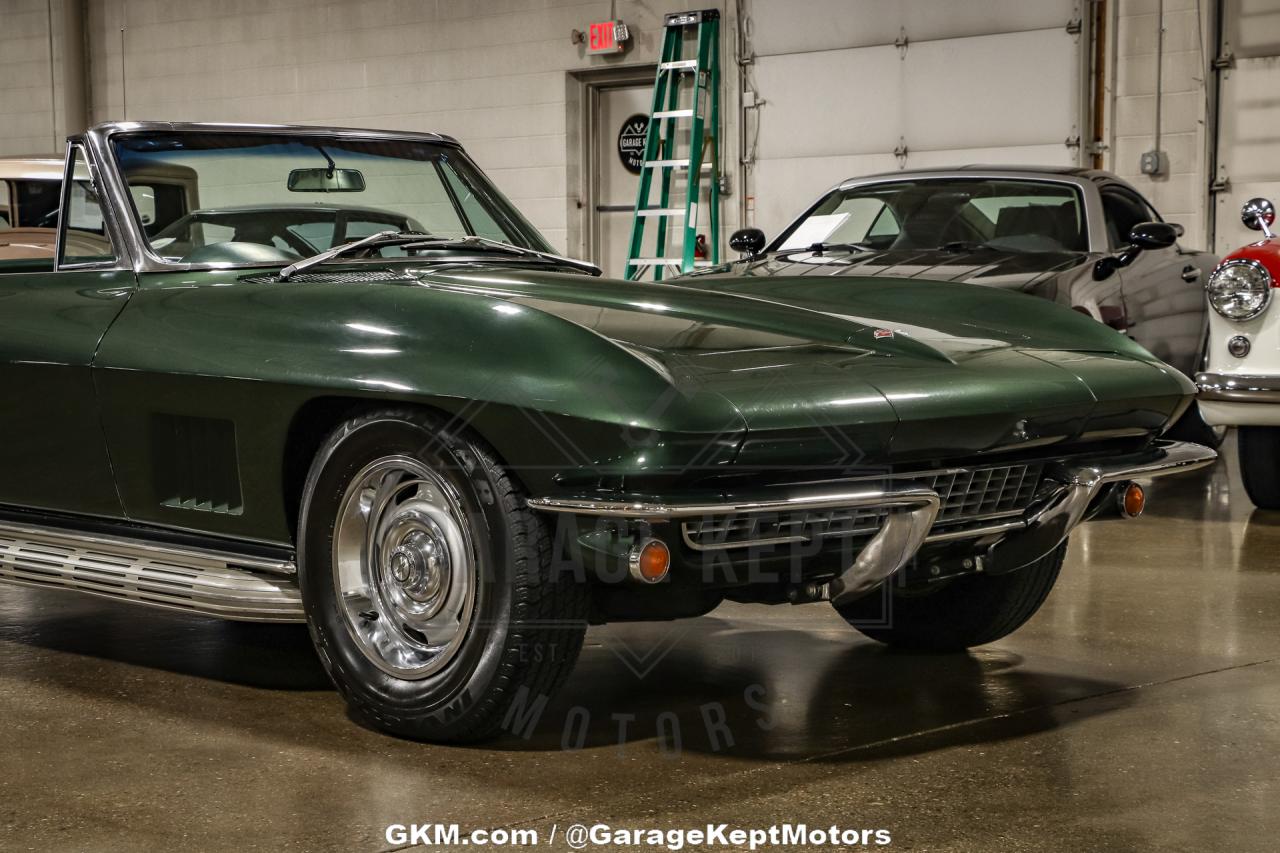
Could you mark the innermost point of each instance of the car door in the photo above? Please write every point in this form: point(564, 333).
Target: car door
point(1163, 289)
point(53, 313)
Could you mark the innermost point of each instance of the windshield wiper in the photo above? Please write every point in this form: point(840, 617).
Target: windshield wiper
point(486, 244)
point(819, 248)
point(382, 238)
point(417, 239)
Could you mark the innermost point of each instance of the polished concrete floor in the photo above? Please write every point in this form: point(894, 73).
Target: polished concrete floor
point(1139, 710)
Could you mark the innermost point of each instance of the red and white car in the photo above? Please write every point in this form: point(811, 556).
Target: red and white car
point(1240, 383)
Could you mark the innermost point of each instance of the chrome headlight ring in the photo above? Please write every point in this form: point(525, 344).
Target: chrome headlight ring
point(1239, 289)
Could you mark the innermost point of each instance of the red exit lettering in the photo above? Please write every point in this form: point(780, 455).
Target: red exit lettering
point(602, 36)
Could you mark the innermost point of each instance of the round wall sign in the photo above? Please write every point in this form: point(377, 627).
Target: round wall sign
point(631, 142)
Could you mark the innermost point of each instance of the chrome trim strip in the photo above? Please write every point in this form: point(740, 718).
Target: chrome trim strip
point(666, 512)
point(159, 550)
point(192, 580)
point(114, 231)
point(976, 532)
point(755, 543)
point(1238, 389)
point(944, 535)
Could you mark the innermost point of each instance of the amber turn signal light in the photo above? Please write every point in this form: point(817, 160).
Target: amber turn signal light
point(1131, 499)
point(650, 559)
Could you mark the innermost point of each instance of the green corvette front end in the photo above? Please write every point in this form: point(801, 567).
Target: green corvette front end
point(448, 450)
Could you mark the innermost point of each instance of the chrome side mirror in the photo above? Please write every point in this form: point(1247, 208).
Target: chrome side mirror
point(1259, 215)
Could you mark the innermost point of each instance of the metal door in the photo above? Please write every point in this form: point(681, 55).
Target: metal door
point(53, 454)
point(1248, 158)
point(614, 190)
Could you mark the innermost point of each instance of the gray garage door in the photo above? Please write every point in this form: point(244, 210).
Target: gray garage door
point(849, 82)
point(1248, 146)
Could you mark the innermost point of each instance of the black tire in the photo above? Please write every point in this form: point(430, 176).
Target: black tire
point(1192, 427)
point(964, 612)
point(524, 628)
point(1260, 464)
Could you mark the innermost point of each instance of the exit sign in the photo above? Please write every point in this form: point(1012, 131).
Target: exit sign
point(607, 37)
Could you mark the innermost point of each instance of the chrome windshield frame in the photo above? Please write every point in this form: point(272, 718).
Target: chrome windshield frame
point(134, 243)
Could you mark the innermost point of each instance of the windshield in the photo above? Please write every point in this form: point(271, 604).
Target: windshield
point(255, 197)
point(931, 213)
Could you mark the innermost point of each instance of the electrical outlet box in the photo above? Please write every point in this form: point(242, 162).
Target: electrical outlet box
point(1154, 163)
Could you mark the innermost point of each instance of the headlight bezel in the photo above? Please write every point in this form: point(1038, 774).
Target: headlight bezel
point(1250, 264)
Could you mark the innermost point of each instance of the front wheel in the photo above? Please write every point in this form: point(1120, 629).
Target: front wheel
point(959, 613)
point(426, 581)
point(1260, 464)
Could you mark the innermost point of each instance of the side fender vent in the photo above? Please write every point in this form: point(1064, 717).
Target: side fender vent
point(195, 464)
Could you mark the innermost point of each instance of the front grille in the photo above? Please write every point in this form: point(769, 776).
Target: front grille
point(967, 495)
point(978, 493)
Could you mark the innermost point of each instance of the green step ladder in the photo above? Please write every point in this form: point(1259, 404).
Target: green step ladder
point(700, 118)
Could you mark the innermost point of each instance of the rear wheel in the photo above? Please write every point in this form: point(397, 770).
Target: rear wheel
point(426, 580)
point(956, 614)
point(1260, 464)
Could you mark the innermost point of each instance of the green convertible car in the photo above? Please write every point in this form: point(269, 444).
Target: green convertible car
point(448, 450)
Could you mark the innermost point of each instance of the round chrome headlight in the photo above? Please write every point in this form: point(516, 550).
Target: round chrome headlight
point(1239, 289)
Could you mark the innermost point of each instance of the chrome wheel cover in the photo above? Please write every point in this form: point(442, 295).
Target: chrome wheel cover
point(404, 567)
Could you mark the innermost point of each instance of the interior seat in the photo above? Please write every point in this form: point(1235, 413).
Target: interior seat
point(1056, 222)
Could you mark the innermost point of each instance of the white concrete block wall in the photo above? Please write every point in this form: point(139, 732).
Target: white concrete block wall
point(1180, 195)
point(28, 121)
point(490, 72)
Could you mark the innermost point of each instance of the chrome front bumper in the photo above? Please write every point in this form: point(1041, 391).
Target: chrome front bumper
point(1225, 388)
point(908, 525)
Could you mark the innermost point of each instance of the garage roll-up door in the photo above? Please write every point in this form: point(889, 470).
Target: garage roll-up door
point(1249, 113)
point(848, 83)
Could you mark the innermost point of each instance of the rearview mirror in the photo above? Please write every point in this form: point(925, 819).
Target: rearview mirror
point(1153, 235)
point(326, 181)
point(749, 241)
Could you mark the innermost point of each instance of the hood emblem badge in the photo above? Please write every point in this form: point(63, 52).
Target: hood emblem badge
point(882, 333)
point(1020, 431)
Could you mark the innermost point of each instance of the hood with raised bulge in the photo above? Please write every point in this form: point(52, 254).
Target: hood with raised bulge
point(931, 366)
